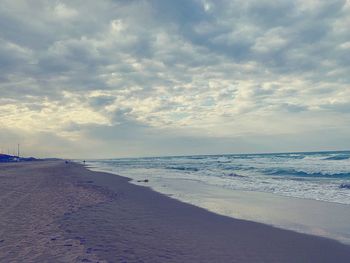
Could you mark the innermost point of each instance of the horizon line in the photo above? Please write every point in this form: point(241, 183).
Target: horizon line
point(222, 154)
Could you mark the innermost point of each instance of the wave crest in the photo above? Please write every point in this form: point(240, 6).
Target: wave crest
point(292, 172)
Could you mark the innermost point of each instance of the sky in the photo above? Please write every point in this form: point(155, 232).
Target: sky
point(119, 78)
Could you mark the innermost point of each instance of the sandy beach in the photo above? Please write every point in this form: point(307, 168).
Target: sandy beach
point(57, 212)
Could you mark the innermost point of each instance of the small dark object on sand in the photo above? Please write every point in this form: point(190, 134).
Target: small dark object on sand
point(344, 186)
point(235, 175)
point(2, 240)
point(66, 162)
point(143, 181)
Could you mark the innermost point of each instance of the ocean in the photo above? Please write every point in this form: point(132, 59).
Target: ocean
point(323, 176)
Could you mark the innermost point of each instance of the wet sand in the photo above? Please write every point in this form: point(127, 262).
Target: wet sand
point(307, 216)
point(57, 212)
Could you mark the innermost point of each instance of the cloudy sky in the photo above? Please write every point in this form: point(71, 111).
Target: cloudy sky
point(168, 77)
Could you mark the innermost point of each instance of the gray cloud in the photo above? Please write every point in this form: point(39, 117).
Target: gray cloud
point(342, 107)
point(173, 71)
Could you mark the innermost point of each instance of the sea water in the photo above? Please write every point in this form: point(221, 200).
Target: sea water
point(323, 176)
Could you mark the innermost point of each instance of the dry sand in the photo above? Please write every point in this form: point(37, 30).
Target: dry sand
point(57, 212)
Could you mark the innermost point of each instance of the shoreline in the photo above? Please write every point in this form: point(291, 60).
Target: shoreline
point(104, 217)
point(302, 215)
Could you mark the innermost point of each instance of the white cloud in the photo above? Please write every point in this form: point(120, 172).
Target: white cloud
point(62, 11)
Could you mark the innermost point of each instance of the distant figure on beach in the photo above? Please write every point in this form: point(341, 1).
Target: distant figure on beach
point(84, 161)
